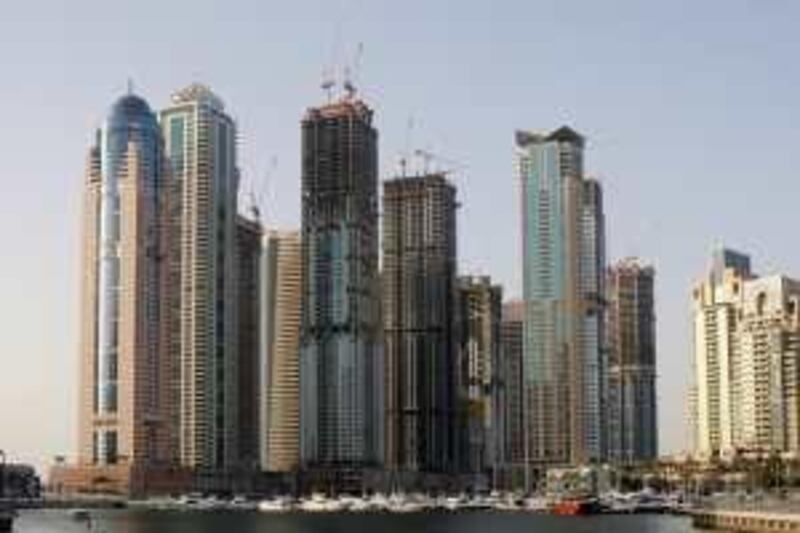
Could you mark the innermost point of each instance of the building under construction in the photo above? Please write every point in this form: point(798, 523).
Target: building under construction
point(340, 369)
point(419, 275)
point(481, 382)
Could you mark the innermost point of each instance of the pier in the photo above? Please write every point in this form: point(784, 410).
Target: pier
point(746, 521)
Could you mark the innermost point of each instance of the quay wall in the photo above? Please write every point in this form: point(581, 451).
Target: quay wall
point(746, 521)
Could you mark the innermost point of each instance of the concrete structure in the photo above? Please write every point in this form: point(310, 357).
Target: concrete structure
point(714, 303)
point(511, 335)
point(200, 146)
point(482, 389)
point(280, 340)
point(249, 391)
point(419, 275)
point(745, 521)
point(341, 374)
point(563, 278)
point(124, 410)
point(765, 391)
point(746, 355)
point(631, 337)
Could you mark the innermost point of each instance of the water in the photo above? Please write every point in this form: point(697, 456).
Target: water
point(130, 521)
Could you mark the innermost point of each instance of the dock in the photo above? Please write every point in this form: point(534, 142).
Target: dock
point(746, 521)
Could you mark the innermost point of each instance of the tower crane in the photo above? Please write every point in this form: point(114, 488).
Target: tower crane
point(428, 156)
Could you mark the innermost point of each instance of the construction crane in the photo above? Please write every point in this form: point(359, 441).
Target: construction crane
point(328, 83)
point(405, 155)
point(351, 74)
point(257, 198)
point(427, 157)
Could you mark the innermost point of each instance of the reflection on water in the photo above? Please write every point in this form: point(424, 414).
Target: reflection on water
point(199, 522)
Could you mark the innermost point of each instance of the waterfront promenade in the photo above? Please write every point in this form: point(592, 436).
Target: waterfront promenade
point(761, 513)
point(746, 521)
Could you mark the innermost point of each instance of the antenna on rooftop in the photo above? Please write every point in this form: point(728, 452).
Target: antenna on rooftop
point(130, 86)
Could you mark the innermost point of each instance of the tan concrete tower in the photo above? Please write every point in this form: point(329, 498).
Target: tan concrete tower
point(280, 338)
point(124, 428)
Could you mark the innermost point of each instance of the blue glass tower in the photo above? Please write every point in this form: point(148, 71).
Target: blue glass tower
point(563, 273)
point(122, 246)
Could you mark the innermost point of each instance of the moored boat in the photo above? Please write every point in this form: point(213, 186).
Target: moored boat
point(575, 507)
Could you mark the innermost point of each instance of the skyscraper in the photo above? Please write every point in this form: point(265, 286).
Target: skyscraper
point(340, 367)
point(419, 275)
point(200, 141)
point(248, 391)
point(280, 340)
point(124, 425)
point(482, 389)
point(714, 314)
point(563, 277)
point(766, 374)
point(746, 356)
point(511, 328)
point(632, 411)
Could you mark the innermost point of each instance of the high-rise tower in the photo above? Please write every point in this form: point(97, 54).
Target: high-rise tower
point(124, 418)
point(419, 275)
point(714, 313)
point(511, 334)
point(480, 375)
point(200, 141)
point(563, 276)
point(248, 390)
point(745, 359)
point(340, 369)
point(280, 339)
point(632, 410)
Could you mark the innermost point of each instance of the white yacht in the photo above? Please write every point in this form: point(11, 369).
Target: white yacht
point(275, 505)
point(319, 503)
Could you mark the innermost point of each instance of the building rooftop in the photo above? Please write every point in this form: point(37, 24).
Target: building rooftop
point(131, 109)
point(342, 107)
point(432, 178)
point(197, 92)
point(632, 263)
point(562, 134)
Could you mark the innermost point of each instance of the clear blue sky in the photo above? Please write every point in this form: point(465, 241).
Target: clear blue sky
point(690, 109)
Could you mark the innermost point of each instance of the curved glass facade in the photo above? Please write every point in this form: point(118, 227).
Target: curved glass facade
point(131, 128)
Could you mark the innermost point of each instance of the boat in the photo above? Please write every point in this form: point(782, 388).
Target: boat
point(509, 503)
point(535, 504)
point(575, 507)
point(275, 505)
point(378, 502)
point(454, 503)
point(318, 503)
point(401, 503)
point(242, 503)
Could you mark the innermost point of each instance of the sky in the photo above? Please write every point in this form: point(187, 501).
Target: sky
point(690, 111)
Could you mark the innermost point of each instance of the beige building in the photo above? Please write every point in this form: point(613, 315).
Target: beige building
point(765, 386)
point(200, 148)
point(746, 352)
point(124, 419)
point(280, 337)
